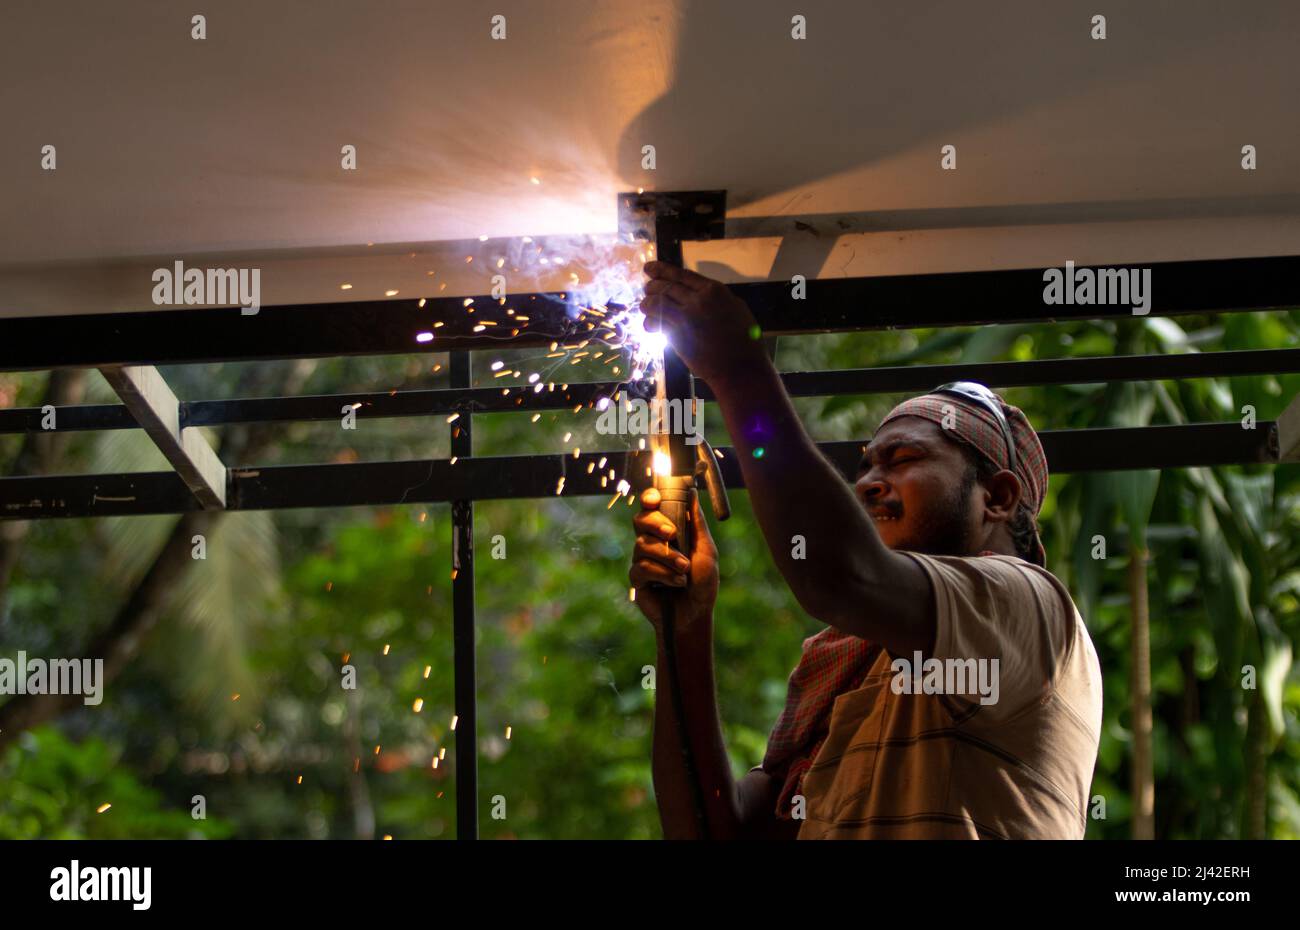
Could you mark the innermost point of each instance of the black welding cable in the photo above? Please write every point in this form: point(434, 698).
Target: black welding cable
point(679, 712)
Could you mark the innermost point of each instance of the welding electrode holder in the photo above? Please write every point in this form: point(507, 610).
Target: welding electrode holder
point(677, 496)
point(676, 502)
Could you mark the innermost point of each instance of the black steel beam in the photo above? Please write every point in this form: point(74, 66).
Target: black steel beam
point(95, 495)
point(74, 418)
point(832, 304)
point(462, 605)
point(535, 476)
point(893, 379)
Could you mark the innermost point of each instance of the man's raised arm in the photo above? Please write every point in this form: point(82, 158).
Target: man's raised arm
point(849, 578)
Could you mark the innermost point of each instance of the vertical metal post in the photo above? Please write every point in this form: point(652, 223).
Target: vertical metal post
point(678, 382)
point(462, 597)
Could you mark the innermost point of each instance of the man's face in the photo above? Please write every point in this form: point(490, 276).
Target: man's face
point(913, 482)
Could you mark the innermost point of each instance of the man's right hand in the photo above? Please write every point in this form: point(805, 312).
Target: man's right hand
point(693, 584)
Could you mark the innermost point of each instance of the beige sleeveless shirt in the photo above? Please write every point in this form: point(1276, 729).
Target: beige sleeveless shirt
point(1004, 745)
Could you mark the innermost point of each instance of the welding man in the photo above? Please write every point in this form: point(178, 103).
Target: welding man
point(954, 692)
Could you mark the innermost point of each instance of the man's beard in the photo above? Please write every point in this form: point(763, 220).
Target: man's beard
point(946, 529)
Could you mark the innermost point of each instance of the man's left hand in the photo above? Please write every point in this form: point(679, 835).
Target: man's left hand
point(711, 328)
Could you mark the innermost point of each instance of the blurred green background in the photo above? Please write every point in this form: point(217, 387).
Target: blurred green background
point(231, 693)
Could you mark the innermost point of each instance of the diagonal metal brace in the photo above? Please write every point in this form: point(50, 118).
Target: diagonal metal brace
point(157, 410)
point(1288, 432)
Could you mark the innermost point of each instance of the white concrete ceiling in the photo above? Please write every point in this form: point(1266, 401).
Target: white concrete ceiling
point(228, 149)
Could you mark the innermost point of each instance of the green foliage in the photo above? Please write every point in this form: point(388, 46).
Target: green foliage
point(52, 788)
point(238, 695)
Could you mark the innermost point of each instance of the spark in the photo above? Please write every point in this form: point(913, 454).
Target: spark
point(427, 670)
point(424, 337)
point(422, 302)
point(390, 293)
point(102, 808)
point(453, 418)
point(345, 287)
point(631, 592)
point(560, 487)
point(454, 718)
point(386, 648)
point(418, 705)
point(507, 732)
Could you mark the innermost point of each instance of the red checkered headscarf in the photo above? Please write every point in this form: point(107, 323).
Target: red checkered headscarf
point(976, 426)
point(834, 662)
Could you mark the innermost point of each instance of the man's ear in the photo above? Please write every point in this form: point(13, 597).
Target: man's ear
point(1001, 497)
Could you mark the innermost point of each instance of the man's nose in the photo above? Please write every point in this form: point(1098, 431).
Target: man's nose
point(869, 487)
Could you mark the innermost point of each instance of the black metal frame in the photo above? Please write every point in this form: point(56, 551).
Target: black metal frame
point(389, 327)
